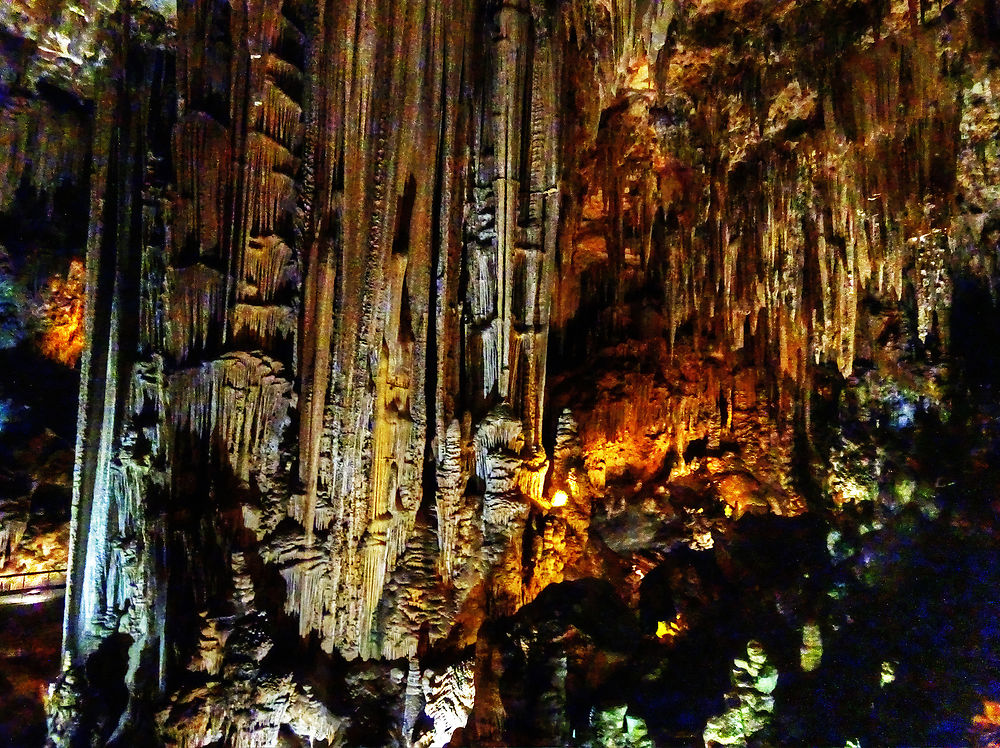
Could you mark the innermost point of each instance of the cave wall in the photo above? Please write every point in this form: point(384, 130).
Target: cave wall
point(333, 247)
point(45, 136)
point(319, 247)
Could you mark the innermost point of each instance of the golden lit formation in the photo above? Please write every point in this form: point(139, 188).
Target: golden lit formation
point(986, 726)
point(669, 630)
point(62, 316)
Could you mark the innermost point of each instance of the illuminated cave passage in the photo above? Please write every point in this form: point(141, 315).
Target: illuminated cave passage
point(537, 372)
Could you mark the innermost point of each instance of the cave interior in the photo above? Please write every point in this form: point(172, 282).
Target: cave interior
point(500, 373)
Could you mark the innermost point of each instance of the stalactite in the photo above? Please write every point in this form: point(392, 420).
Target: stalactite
point(194, 309)
point(278, 116)
point(374, 562)
point(200, 139)
point(265, 155)
point(42, 145)
point(267, 264)
point(309, 593)
point(12, 529)
point(264, 323)
point(151, 309)
point(492, 370)
point(236, 403)
point(319, 302)
point(497, 432)
point(284, 73)
point(482, 296)
point(531, 475)
point(932, 284)
point(275, 192)
point(451, 482)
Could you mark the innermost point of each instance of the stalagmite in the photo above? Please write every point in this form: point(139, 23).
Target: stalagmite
point(451, 481)
point(448, 697)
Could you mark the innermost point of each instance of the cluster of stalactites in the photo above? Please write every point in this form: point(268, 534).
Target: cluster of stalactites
point(235, 196)
point(782, 239)
point(42, 146)
point(195, 304)
point(236, 404)
point(264, 314)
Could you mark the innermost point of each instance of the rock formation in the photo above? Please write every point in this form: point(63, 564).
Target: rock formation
point(450, 364)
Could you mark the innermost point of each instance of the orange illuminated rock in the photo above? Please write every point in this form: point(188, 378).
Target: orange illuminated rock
point(985, 726)
point(62, 316)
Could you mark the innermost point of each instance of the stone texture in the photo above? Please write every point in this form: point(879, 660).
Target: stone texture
point(368, 282)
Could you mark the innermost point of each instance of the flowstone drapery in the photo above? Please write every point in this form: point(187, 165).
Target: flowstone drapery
point(307, 216)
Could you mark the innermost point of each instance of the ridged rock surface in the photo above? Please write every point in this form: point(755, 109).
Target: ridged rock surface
point(372, 283)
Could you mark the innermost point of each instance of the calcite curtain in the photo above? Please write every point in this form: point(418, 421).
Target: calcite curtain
point(319, 279)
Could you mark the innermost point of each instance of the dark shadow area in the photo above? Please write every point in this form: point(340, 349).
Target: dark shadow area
point(30, 640)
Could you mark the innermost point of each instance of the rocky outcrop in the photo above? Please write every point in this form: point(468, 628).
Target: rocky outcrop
point(408, 322)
